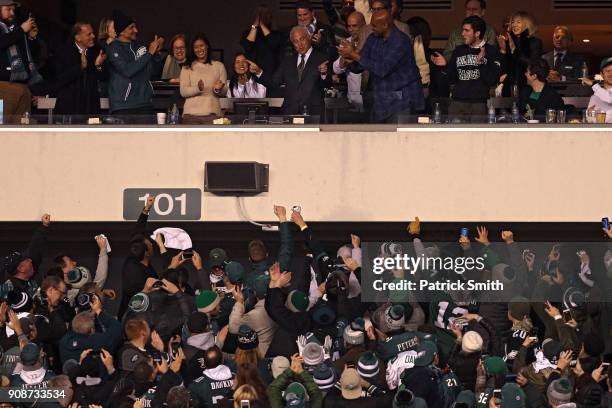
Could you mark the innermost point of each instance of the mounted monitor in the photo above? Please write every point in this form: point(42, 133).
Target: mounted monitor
point(235, 178)
point(259, 107)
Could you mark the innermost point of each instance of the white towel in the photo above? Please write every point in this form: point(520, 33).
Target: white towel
point(174, 238)
point(108, 248)
point(313, 290)
point(9, 331)
point(542, 362)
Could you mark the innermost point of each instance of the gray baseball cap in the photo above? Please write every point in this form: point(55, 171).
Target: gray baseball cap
point(9, 3)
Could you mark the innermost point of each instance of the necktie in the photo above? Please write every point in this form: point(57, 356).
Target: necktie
point(300, 67)
point(558, 59)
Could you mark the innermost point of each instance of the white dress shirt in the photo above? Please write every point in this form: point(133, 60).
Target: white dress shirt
point(354, 86)
point(251, 89)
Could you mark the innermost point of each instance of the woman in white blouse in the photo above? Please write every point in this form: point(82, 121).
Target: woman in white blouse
point(242, 84)
point(202, 83)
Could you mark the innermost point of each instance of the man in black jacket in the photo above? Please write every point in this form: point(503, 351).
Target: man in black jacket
point(137, 266)
point(474, 68)
point(57, 316)
point(94, 330)
point(305, 75)
point(18, 46)
point(290, 315)
point(79, 66)
point(321, 34)
point(20, 267)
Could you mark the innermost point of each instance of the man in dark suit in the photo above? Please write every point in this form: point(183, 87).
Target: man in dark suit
point(563, 63)
point(305, 75)
point(79, 66)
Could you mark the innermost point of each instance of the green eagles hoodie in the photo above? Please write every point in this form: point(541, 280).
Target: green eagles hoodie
point(131, 66)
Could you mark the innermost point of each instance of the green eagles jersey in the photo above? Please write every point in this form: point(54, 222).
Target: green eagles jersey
point(449, 388)
point(442, 313)
point(215, 384)
point(148, 397)
point(397, 344)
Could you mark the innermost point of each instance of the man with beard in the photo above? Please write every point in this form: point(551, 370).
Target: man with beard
point(131, 66)
point(17, 69)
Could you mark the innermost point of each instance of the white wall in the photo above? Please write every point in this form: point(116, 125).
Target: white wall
point(441, 175)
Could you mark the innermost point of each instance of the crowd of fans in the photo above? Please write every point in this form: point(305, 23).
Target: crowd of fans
point(196, 331)
point(386, 63)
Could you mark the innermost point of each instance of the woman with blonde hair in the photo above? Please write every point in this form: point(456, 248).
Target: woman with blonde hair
point(519, 46)
point(248, 374)
point(246, 392)
point(106, 32)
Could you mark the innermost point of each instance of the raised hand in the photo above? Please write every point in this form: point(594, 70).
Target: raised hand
point(551, 310)
point(438, 59)
point(323, 68)
point(464, 242)
point(414, 228)
point(507, 237)
point(275, 272)
point(254, 68)
point(100, 58)
point(176, 261)
point(196, 260)
point(238, 295)
point(301, 343)
point(149, 203)
point(350, 263)
point(530, 260)
point(280, 212)
point(154, 46)
point(84, 354)
point(296, 364)
point(107, 360)
point(219, 85)
point(501, 42)
point(170, 287)
point(156, 341)
point(297, 219)
point(284, 280)
point(28, 25)
point(483, 235)
point(355, 241)
point(101, 241)
point(178, 361)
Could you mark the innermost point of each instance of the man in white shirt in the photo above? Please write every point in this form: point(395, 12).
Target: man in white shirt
point(354, 23)
point(602, 94)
